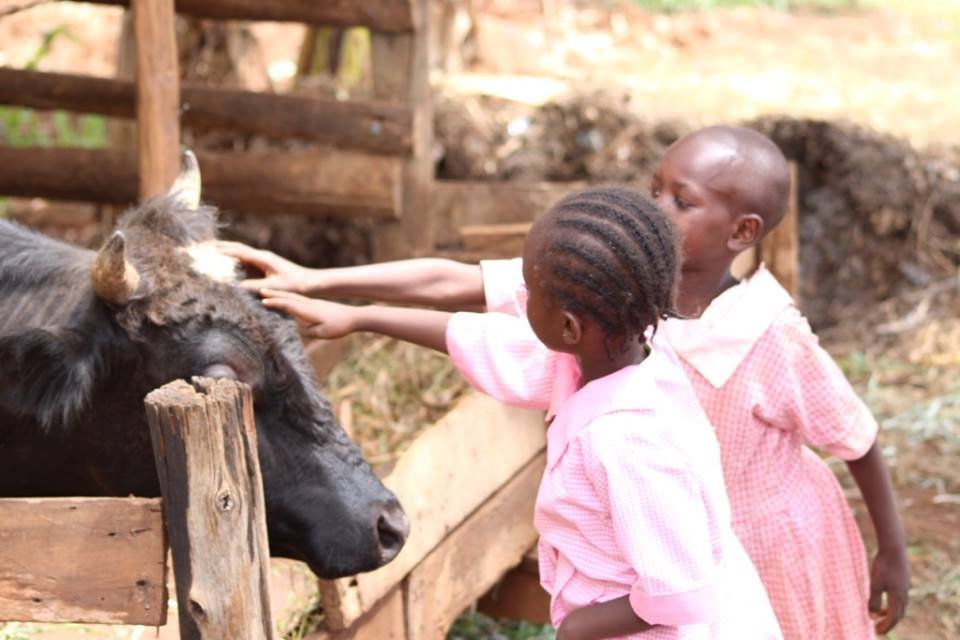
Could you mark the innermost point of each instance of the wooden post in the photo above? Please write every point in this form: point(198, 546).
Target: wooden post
point(205, 446)
point(780, 250)
point(401, 74)
point(158, 95)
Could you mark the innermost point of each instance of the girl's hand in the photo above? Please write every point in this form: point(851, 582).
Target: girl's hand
point(889, 574)
point(278, 273)
point(321, 319)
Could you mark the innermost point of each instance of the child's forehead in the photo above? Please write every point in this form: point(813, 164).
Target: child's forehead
point(700, 161)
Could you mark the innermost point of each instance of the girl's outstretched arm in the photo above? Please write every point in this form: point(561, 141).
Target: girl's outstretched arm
point(436, 282)
point(890, 572)
point(328, 320)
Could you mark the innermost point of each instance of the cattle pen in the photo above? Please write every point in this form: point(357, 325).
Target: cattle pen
point(469, 529)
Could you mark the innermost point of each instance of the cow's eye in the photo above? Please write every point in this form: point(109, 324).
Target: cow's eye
point(220, 371)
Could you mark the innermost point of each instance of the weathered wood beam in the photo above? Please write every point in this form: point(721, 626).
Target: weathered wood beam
point(205, 447)
point(376, 126)
point(780, 249)
point(454, 495)
point(95, 560)
point(304, 182)
point(158, 95)
point(473, 557)
point(392, 16)
point(401, 73)
point(503, 240)
point(455, 204)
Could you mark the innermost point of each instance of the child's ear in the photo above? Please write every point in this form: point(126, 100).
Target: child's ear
point(747, 231)
point(572, 329)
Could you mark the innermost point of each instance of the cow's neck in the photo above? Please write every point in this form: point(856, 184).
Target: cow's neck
point(43, 282)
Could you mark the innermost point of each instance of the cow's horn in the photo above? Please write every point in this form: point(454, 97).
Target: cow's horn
point(186, 188)
point(114, 278)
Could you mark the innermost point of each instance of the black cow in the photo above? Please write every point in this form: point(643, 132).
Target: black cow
point(85, 336)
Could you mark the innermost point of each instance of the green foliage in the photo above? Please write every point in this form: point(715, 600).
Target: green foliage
point(17, 631)
point(477, 626)
point(28, 128)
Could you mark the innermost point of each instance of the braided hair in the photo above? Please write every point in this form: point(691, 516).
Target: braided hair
point(612, 255)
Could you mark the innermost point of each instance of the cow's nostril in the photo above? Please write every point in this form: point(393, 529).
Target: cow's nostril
point(392, 529)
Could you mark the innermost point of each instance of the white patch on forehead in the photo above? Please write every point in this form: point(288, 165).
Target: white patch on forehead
point(213, 264)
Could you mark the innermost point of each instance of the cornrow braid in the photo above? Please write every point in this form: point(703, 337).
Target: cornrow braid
point(612, 255)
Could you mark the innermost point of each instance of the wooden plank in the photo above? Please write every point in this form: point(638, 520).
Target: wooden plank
point(780, 249)
point(95, 560)
point(320, 182)
point(503, 240)
point(472, 558)
point(461, 203)
point(385, 621)
point(305, 182)
point(158, 95)
point(205, 446)
point(357, 124)
point(472, 436)
point(519, 596)
point(401, 74)
point(392, 16)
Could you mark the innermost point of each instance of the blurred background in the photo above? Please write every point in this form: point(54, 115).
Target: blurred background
point(861, 94)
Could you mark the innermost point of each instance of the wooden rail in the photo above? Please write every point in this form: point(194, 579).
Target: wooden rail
point(376, 126)
point(469, 436)
point(95, 560)
point(305, 182)
point(389, 16)
point(455, 204)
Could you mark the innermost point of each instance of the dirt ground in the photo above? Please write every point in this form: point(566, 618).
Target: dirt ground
point(865, 102)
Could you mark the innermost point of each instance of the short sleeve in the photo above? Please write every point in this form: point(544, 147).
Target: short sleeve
point(503, 286)
point(661, 523)
point(501, 356)
point(809, 394)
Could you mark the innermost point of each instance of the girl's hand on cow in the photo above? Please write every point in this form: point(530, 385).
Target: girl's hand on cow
point(278, 273)
point(319, 318)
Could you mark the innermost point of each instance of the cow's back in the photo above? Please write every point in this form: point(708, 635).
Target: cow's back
point(43, 282)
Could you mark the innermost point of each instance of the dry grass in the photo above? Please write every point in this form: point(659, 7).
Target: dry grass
point(903, 357)
point(385, 392)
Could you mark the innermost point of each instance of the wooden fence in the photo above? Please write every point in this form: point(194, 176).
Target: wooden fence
point(103, 560)
point(375, 162)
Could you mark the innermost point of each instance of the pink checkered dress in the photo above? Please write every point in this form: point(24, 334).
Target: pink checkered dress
point(632, 501)
point(769, 389)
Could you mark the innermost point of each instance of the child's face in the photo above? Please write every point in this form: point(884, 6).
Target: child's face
point(692, 186)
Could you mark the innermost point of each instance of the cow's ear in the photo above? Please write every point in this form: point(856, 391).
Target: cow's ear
point(48, 374)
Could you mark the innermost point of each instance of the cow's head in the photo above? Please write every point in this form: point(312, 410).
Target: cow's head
point(175, 308)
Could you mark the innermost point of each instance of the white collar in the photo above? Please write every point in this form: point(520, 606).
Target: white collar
point(721, 338)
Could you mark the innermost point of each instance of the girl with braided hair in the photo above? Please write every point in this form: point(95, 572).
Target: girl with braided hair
point(636, 539)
